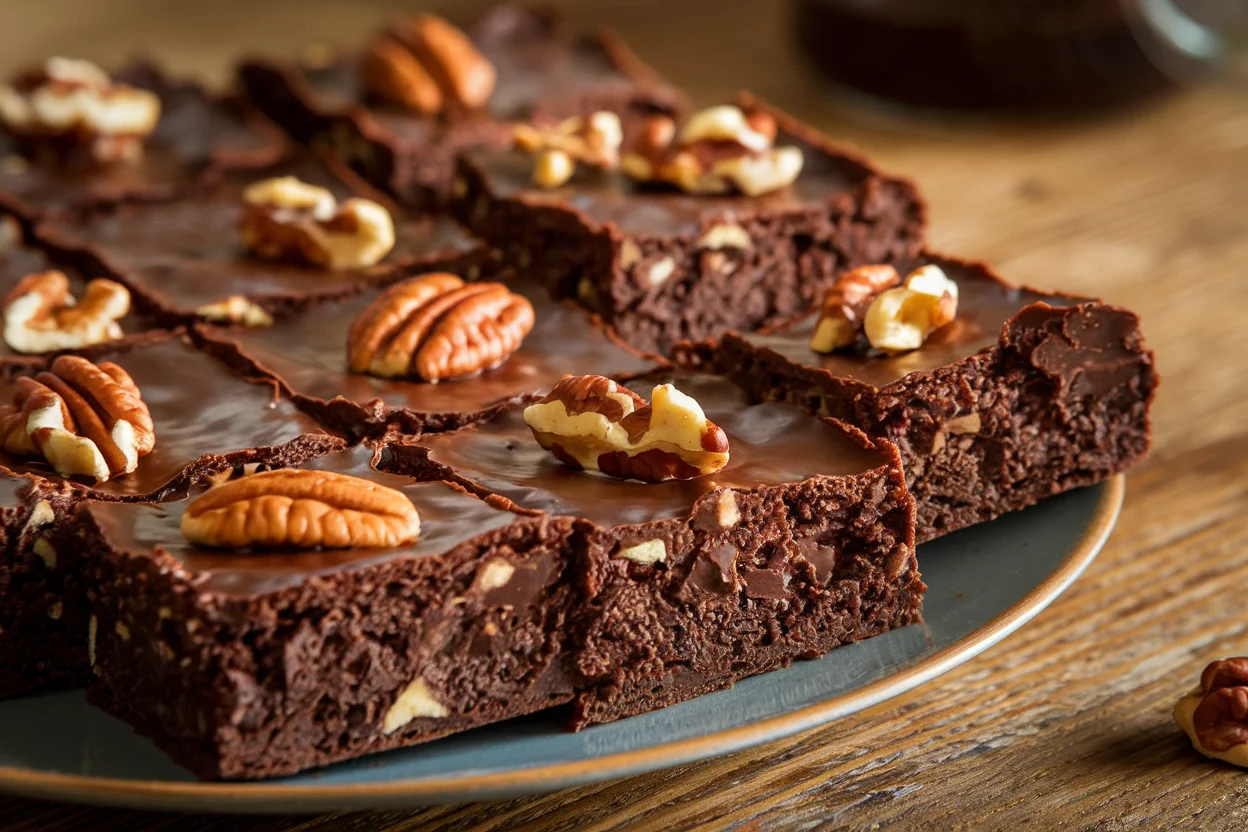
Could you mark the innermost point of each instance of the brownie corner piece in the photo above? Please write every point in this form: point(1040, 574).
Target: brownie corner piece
point(252, 664)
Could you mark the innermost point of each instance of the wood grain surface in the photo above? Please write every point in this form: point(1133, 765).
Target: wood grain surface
point(1065, 724)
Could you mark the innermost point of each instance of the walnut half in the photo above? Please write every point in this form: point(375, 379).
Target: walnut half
point(40, 315)
point(1215, 715)
point(593, 423)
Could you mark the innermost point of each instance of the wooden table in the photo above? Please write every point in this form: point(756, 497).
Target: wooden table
point(1064, 724)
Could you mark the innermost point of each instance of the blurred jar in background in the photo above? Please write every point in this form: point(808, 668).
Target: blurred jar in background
point(1006, 55)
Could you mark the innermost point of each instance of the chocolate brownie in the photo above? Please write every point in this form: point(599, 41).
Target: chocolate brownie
point(206, 419)
point(307, 355)
point(664, 265)
point(543, 72)
point(1026, 394)
point(197, 137)
point(186, 257)
point(250, 664)
point(803, 542)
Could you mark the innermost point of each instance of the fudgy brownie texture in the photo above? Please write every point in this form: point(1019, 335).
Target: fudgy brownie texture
point(1025, 395)
point(197, 138)
point(250, 665)
point(180, 257)
point(655, 263)
point(544, 73)
point(42, 589)
point(207, 419)
point(803, 542)
point(307, 355)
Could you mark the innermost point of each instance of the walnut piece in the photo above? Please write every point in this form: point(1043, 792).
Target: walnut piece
point(901, 319)
point(285, 219)
point(1215, 714)
point(236, 309)
point(647, 552)
point(719, 150)
point(301, 509)
point(845, 303)
point(416, 700)
point(428, 65)
point(594, 141)
point(592, 423)
point(75, 102)
point(437, 327)
point(40, 315)
point(84, 419)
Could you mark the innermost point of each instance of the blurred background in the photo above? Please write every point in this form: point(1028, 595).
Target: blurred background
point(1045, 137)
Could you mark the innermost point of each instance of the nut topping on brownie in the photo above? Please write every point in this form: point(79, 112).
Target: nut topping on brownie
point(436, 327)
point(429, 66)
point(84, 419)
point(301, 509)
point(1215, 715)
point(592, 423)
point(719, 150)
point(75, 101)
point(286, 219)
point(594, 141)
point(894, 318)
point(40, 315)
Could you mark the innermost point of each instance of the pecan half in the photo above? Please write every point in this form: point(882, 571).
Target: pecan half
point(427, 65)
point(301, 509)
point(84, 419)
point(436, 327)
point(845, 303)
point(285, 219)
point(75, 103)
point(593, 423)
point(392, 74)
point(40, 315)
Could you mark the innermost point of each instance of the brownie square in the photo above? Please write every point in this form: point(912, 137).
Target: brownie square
point(307, 355)
point(1026, 394)
point(803, 542)
point(543, 72)
point(207, 419)
point(182, 256)
point(197, 137)
point(663, 265)
point(254, 664)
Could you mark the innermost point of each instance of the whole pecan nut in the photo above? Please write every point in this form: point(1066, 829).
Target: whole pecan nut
point(1215, 715)
point(301, 509)
point(84, 419)
point(437, 327)
point(593, 423)
point(40, 315)
point(428, 65)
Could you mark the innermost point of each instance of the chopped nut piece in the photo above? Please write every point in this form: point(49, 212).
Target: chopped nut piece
point(592, 423)
point(416, 700)
point(629, 254)
point(724, 123)
point(285, 219)
point(1215, 714)
point(964, 424)
point(76, 100)
point(900, 319)
point(725, 235)
point(647, 552)
point(495, 574)
point(85, 419)
point(593, 141)
point(235, 309)
point(436, 327)
point(552, 169)
point(728, 513)
point(846, 301)
point(301, 509)
point(40, 315)
point(661, 271)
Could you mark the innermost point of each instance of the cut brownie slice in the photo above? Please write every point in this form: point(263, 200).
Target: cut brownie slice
point(542, 73)
point(43, 615)
point(198, 136)
point(1024, 395)
point(664, 265)
point(803, 542)
point(250, 664)
point(307, 355)
point(206, 419)
point(187, 258)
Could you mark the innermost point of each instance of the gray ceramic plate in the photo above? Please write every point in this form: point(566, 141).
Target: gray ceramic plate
point(984, 583)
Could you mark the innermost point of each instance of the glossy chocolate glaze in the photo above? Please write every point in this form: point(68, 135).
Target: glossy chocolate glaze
point(769, 444)
point(309, 353)
point(447, 519)
point(189, 253)
point(194, 131)
point(611, 197)
point(198, 408)
point(985, 303)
